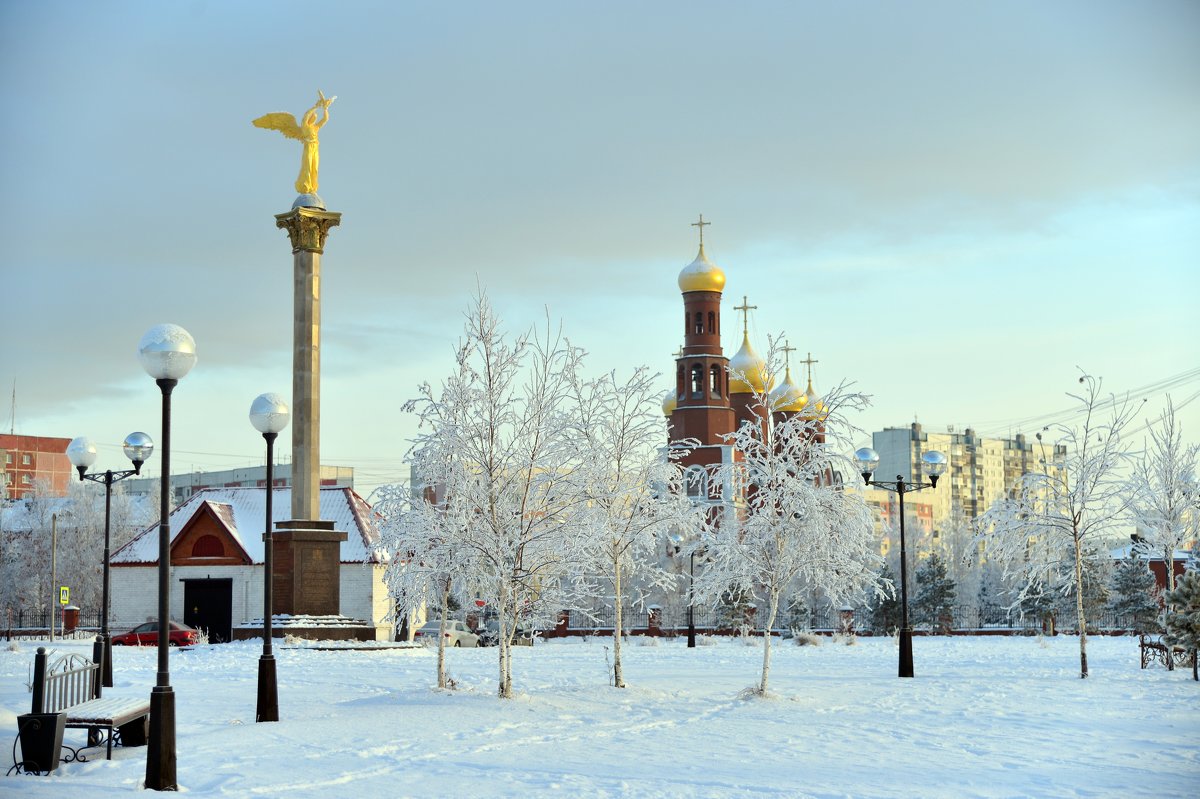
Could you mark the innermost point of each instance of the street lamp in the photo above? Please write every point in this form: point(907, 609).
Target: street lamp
point(82, 454)
point(269, 415)
point(167, 353)
point(934, 465)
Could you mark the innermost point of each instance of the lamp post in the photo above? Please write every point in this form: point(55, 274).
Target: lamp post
point(82, 454)
point(692, 599)
point(269, 415)
point(167, 353)
point(934, 465)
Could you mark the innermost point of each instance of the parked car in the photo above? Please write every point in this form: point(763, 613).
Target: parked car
point(489, 634)
point(147, 635)
point(457, 634)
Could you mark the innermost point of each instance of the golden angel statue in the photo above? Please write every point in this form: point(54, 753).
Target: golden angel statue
point(305, 132)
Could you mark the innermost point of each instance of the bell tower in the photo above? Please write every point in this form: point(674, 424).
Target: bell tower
point(702, 410)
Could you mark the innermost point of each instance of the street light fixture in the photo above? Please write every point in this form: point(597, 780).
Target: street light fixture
point(934, 465)
point(82, 454)
point(167, 353)
point(269, 415)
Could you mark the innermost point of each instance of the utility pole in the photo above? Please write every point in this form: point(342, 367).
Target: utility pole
point(53, 571)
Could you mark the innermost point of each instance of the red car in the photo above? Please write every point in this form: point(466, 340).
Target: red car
point(147, 635)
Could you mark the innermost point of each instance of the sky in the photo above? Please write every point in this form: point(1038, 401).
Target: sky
point(956, 206)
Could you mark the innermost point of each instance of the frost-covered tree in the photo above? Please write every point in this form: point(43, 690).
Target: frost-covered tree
point(1134, 595)
point(886, 613)
point(430, 565)
point(635, 497)
point(1183, 616)
point(935, 598)
point(1072, 504)
point(500, 451)
point(787, 522)
point(1164, 490)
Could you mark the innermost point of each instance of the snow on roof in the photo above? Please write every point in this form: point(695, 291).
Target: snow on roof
point(1146, 552)
point(242, 510)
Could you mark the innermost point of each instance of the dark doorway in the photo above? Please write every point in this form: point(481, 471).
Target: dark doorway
point(208, 606)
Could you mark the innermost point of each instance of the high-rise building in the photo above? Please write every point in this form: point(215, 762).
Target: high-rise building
point(980, 470)
point(30, 460)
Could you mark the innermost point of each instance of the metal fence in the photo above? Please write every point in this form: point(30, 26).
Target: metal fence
point(16, 619)
point(987, 618)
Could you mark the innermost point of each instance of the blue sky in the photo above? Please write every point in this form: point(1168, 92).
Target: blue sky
point(951, 204)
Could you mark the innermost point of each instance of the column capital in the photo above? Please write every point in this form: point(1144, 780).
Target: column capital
point(308, 227)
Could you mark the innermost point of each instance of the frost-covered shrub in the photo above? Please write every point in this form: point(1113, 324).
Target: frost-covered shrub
point(846, 639)
point(13, 646)
point(705, 640)
point(646, 640)
point(806, 639)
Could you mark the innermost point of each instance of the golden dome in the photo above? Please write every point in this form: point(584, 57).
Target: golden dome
point(813, 406)
point(787, 396)
point(701, 275)
point(747, 362)
point(669, 402)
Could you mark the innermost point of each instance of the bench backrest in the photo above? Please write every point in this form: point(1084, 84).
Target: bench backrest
point(70, 680)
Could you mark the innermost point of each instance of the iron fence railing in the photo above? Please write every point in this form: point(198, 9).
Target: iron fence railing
point(41, 618)
point(673, 618)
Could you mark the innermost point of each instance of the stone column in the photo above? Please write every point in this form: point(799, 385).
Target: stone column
point(306, 575)
point(307, 229)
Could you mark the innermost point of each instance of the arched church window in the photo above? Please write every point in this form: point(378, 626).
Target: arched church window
point(679, 381)
point(207, 546)
point(696, 482)
point(714, 382)
point(697, 380)
point(699, 323)
point(712, 323)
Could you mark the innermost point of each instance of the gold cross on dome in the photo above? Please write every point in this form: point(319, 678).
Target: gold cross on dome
point(701, 225)
point(809, 362)
point(745, 308)
point(787, 350)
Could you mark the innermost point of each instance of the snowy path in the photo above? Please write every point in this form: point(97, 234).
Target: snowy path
point(985, 717)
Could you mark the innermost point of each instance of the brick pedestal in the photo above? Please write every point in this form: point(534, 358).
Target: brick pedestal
point(306, 579)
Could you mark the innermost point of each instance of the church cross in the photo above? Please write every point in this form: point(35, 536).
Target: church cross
point(809, 362)
point(701, 225)
point(787, 350)
point(745, 308)
point(678, 353)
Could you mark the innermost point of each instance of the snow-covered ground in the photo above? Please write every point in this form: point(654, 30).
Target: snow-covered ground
point(994, 717)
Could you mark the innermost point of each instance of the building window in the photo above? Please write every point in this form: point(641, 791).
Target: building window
point(714, 382)
point(207, 546)
point(25, 479)
point(699, 323)
point(712, 323)
point(25, 459)
point(697, 481)
point(697, 380)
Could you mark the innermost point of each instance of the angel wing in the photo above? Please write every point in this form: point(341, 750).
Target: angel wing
point(283, 122)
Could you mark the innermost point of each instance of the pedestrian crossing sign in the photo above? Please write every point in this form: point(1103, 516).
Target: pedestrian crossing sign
point(64, 595)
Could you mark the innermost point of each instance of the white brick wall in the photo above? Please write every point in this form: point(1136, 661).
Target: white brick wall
point(135, 593)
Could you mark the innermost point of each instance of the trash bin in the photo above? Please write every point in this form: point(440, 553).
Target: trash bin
point(70, 618)
point(41, 737)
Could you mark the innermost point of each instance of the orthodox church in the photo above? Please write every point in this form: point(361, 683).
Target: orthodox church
point(715, 395)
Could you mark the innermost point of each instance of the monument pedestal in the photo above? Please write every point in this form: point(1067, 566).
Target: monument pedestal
point(307, 578)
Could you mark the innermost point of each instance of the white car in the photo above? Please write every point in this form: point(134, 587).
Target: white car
point(457, 634)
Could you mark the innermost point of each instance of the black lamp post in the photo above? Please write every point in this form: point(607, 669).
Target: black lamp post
point(934, 464)
point(692, 599)
point(82, 454)
point(269, 415)
point(167, 353)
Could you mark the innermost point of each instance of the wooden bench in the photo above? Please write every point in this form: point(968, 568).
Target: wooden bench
point(1155, 651)
point(71, 685)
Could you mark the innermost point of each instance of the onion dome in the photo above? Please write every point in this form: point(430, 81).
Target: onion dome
point(814, 408)
point(701, 275)
point(787, 396)
point(747, 362)
point(669, 402)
